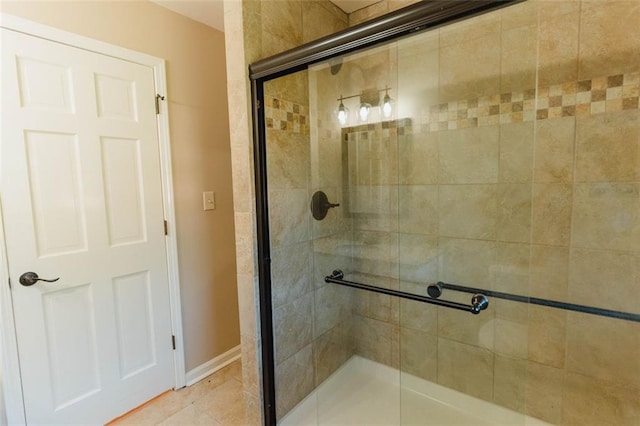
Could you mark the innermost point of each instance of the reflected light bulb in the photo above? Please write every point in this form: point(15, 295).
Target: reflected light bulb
point(363, 111)
point(343, 114)
point(387, 106)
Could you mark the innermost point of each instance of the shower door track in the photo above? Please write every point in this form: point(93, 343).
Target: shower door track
point(436, 290)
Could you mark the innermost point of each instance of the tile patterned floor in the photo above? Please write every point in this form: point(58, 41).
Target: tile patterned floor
point(216, 400)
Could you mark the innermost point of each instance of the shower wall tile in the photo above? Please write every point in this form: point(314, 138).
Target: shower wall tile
point(547, 336)
point(603, 348)
point(418, 75)
point(460, 326)
point(512, 276)
point(594, 224)
point(554, 150)
point(519, 50)
point(510, 383)
point(519, 15)
point(514, 212)
point(549, 272)
point(607, 148)
point(418, 209)
point(516, 152)
point(466, 368)
point(469, 30)
point(331, 253)
point(605, 279)
point(417, 315)
point(418, 258)
point(419, 354)
point(288, 156)
point(282, 19)
point(467, 262)
point(291, 272)
point(295, 379)
point(460, 81)
point(374, 253)
point(558, 42)
point(331, 350)
point(469, 155)
point(383, 307)
point(609, 40)
point(320, 19)
point(289, 216)
point(591, 402)
point(551, 218)
point(418, 159)
point(544, 392)
point(375, 339)
point(331, 307)
point(512, 338)
point(468, 211)
point(293, 327)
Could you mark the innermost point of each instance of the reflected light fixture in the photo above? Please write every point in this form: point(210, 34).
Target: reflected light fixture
point(387, 104)
point(363, 111)
point(342, 113)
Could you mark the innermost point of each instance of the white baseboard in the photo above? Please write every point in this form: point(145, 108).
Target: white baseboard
point(213, 365)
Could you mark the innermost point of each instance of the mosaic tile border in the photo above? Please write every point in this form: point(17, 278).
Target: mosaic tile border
point(586, 97)
point(286, 116)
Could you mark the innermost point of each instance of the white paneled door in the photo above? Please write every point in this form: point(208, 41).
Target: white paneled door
point(82, 202)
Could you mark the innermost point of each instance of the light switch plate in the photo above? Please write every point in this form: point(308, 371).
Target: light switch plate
point(209, 200)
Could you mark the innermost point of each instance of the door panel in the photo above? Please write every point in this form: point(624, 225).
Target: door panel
point(82, 200)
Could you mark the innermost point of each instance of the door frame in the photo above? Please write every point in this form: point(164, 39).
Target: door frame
point(10, 372)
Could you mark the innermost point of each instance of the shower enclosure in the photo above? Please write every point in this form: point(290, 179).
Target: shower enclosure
point(449, 218)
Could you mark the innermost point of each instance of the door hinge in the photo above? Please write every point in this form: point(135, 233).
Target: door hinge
point(158, 99)
point(173, 342)
point(259, 104)
point(166, 228)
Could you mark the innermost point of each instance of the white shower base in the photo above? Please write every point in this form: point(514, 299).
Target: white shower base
point(363, 392)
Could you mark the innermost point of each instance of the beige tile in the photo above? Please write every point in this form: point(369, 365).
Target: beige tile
point(331, 307)
point(605, 279)
point(603, 348)
point(374, 339)
point(609, 41)
point(331, 350)
point(520, 14)
point(417, 315)
point(289, 216)
point(283, 19)
point(319, 21)
point(544, 392)
point(554, 150)
point(460, 326)
point(512, 276)
point(418, 76)
point(460, 81)
point(516, 152)
point(418, 209)
point(418, 258)
point(558, 43)
point(295, 379)
point(418, 353)
point(512, 337)
point(220, 402)
point(467, 30)
point(468, 211)
point(476, 378)
point(469, 155)
point(519, 57)
point(510, 383)
point(467, 262)
point(288, 157)
point(291, 269)
point(375, 253)
point(607, 216)
point(547, 336)
point(418, 159)
point(293, 327)
point(591, 402)
point(549, 272)
point(551, 219)
point(514, 212)
point(189, 415)
point(608, 147)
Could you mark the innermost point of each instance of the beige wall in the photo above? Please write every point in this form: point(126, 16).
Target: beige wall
point(196, 77)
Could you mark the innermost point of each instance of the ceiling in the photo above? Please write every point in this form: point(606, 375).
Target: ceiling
point(211, 13)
